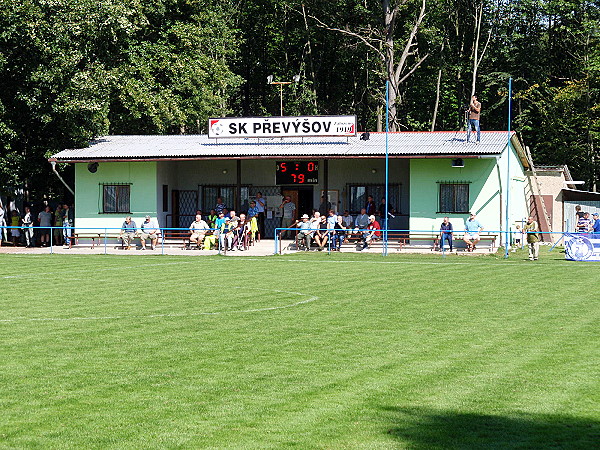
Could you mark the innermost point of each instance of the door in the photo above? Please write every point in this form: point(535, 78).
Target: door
point(302, 198)
point(185, 204)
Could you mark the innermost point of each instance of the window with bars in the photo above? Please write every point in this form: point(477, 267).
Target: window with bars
point(358, 193)
point(115, 198)
point(454, 198)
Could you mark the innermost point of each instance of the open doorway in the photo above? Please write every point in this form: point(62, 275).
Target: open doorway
point(302, 198)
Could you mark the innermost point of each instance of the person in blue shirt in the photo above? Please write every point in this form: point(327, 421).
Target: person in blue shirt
point(128, 230)
point(596, 225)
point(472, 230)
point(446, 233)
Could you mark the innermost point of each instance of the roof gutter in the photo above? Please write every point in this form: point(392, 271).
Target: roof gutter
point(53, 163)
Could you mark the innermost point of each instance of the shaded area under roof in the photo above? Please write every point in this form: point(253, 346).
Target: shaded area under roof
point(403, 144)
point(580, 196)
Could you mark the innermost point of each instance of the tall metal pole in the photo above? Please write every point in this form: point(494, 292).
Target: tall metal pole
point(508, 155)
point(387, 129)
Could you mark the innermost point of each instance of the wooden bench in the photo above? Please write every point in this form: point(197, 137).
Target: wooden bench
point(95, 237)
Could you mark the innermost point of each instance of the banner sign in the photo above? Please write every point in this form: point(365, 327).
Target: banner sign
point(263, 127)
point(582, 247)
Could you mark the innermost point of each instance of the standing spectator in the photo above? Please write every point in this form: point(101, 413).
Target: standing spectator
point(370, 206)
point(533, 238)
point(45, 221)
point(288, 215)
point(585, 224)
point(596, 226)
point(472, 230)
point(68, 223)
point(474, 116)
point(2, 224)
point(58, 223)
point(325, 206)
point(261, 204)
point(332, 219)
point(128, 230)
point(446, 233)
point(28, 228)
point(220, 206)
point(15, 223)
point(149, 230)
point(578, 212)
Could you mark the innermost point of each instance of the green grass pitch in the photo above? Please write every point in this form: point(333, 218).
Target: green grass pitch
point(306, 351)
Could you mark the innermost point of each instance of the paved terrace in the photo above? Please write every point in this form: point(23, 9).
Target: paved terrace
point(265, 247)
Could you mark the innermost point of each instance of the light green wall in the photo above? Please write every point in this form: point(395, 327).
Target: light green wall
point(88, 192)
point(487, 193)
point(484, 192)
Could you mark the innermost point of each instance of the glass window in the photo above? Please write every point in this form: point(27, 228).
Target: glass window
point(454, 198)
point(115, 198)
point(358, 193)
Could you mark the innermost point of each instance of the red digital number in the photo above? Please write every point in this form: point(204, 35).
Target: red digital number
point(282, 167)
point(301, 178)
point(311, 167)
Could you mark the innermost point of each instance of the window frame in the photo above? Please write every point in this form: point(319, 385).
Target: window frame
point(119, 188)
point(456, 201)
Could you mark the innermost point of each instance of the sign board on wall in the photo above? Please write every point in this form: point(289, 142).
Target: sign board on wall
point(262, 127)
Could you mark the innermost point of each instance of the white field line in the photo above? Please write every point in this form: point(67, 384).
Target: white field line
point(154, 316)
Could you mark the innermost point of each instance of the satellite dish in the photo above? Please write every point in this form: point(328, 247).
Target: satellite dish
point(93, 167)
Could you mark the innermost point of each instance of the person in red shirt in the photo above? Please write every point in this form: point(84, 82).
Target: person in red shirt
point(372, 233)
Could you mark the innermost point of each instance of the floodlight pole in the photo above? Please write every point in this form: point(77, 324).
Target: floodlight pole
point(387, 129)
point(508, 154)
point(281, 83)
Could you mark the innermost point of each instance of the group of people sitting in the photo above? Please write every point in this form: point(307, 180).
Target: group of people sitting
point(229, 231)
point(332, 230)
point(233, 232)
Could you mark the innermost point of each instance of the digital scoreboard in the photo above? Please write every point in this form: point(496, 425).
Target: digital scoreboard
point(297, 172)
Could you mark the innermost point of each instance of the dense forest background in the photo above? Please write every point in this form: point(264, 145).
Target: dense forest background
point(74, 69)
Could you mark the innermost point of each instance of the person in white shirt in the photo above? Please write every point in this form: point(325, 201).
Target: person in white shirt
point(198, 230)
point(150, 231)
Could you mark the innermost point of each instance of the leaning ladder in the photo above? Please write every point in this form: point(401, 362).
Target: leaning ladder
point(539, 189)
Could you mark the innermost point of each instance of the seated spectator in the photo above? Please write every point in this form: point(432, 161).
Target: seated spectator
point(198, 229)
point(338, 235)
point(322, 234)
point(149, 230)
point(212, 219)
point(372, 234)
point(472, 230)
point(128, 230)
point(226, 234)
point(241, 232)
point(347, 220)
point(362, 221)
point(253, 210)
point(306, 232)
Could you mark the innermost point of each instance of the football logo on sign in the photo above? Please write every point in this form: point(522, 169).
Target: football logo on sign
point(216, 128)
